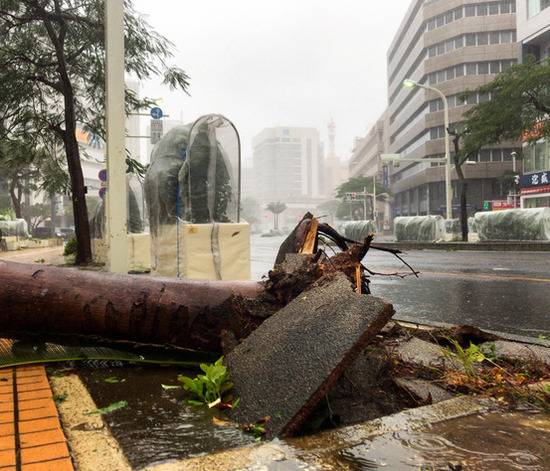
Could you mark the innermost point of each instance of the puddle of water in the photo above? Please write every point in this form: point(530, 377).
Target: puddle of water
point(157, 425)
point(499, 442)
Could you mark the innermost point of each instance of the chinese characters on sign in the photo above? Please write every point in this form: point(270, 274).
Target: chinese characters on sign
point(535, 183)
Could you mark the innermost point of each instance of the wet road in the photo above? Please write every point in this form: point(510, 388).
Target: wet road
point(501, 291)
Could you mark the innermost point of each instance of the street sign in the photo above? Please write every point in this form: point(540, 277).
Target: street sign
point(157, 130)
point(487, 206)
point(102, 175)
point(156, 113)
point(102, 191)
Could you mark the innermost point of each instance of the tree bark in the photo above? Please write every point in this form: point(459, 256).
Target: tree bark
point(191, 314)
point(78, 190)
point(15, 199)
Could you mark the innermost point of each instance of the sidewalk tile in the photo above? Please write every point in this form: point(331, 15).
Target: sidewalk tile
point(29, 395)
point(41, 438)
point(44, 453)
point(7, 429)
point(7, 442)
point(39, 425)
point(33, 404)
point(64, 464)
point(7, 458)
point(42, 413)
point(6, 417)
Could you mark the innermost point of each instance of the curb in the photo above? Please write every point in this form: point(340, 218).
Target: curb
point(506, 246)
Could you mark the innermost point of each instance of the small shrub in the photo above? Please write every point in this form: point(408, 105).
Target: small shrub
point(70, 247)
point(210, 387)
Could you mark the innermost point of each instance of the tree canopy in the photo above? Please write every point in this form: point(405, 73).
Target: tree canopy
point(518, 104)
point(52, 76)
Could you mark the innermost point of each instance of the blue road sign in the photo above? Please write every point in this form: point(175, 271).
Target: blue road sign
point(102, 175)
point(156, 113)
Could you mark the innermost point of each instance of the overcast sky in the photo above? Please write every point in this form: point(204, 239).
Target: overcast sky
point(279, 63)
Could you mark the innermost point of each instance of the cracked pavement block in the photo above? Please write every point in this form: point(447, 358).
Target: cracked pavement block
point(286, 366)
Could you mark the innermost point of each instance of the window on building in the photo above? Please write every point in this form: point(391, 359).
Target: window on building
point(440, 21)
point(432, 51)
point(496, 155)
point(481, 10)
point(470, 39)
point(494, 37)
point(506, 37)
point(470, 10)
point(483, 97)
point(482, 39)
point(485, 155)
point(459, 42)
point(483, 68)
point(458, 13)
point(450, 73)
point(494, 67)
point(505, 7)
point(431, 24)
point(440, 49)
point(449, 17)
point(493, 8)
point(452, 101)
point(450, 45)
point(471, 69)
point(459, 70)
point(441, 76)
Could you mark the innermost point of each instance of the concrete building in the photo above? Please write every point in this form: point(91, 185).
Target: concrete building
point(365, 158)
point(286, 163)
point(533, 26)
point(335, 171)
point(453, 45)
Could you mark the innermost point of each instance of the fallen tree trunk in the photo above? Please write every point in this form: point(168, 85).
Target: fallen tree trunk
point(191, 314)
point(202, 315)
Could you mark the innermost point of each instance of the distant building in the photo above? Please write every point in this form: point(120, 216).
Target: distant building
point(454, 46)
point(286, 164)
point(365, 159)
point(334, 170)
point(533, 26)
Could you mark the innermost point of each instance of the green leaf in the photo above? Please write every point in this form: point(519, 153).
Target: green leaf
point(112, 380)
point(110, 408)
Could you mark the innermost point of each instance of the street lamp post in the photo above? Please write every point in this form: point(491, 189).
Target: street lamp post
point(448, 185)
point(116, 198)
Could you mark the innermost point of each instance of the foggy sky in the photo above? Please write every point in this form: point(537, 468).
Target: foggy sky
point(279, 63)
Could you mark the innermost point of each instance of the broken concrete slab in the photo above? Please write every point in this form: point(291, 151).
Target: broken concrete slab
point(287, 365)
point(425, 354)
point(422, 390)
point(518, 351)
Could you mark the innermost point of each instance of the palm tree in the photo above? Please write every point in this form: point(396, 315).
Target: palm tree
point(276, 208)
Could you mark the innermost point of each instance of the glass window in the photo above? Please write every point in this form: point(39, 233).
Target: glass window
point(483, 68)
point(472, 99)
point(440, 21)
point(481, 10)
point(471, 69)
point(458, 13)
point(513, 5)
point(459, 42)
point(485, 155)
point(505, 64)
point(459, 70)
point(494, 67)
point(494, 37)
point(433, 133)
point(470, 39)
point(529, 159)
point(433, 106)
point(482, 39)
point(448, 17)
point(431, 24)
point(470, 10)
point(504, 7)
point(493, 8)
point(440, 49)
point(460, 100)
point(483, 97)
point(432, 51)
point(496, 155)
point(450, 45)
point(441, 76)
point(450, 73)
point(505, 36)
point(451, 100)
point(540, 155)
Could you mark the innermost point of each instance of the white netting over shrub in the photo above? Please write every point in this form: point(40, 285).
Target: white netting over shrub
point(514, 224)
point(17, 228)
point(419, 228)
point(358, 230)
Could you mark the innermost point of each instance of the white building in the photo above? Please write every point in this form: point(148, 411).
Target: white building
point(287, 163)
point(533, 30)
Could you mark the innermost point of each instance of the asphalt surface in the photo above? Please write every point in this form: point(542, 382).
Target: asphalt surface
point(501, 291)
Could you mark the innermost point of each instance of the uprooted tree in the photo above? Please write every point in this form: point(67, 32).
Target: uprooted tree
point(52, 66)
point(192, 314)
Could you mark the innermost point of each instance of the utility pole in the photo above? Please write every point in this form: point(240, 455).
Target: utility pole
point(116, 196)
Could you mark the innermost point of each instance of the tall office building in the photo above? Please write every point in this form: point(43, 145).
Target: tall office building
point(286, 164)
point(455, 46)
point(533, 22)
